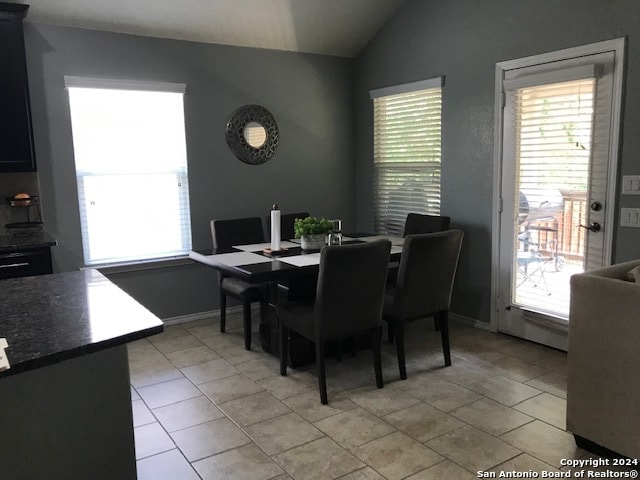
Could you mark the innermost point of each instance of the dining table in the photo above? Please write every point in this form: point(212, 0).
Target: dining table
point(291, 266)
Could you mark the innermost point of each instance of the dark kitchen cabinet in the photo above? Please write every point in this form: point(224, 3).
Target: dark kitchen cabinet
point(16, 137)
point(25, 262)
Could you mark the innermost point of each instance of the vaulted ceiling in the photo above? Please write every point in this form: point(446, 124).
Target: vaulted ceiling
point(330, 27)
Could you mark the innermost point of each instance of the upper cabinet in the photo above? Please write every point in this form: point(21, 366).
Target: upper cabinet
point(16, 137)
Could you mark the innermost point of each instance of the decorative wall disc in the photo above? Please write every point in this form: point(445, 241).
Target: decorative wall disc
point(252, 134)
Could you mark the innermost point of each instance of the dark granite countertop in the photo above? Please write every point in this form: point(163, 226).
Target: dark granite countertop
point(50, 318)
point(10, 243)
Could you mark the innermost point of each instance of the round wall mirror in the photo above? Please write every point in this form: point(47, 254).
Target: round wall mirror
point(252, 134)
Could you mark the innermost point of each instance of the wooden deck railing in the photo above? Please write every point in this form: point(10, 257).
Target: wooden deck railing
point(564, 228)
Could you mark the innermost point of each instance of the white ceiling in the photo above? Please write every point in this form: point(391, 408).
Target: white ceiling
point(330, 27)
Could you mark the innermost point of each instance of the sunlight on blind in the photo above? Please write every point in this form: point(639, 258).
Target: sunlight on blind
point(554, 135)
point(131, 167)
point(407, 155)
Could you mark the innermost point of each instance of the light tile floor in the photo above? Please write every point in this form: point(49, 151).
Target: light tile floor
point(205, 408)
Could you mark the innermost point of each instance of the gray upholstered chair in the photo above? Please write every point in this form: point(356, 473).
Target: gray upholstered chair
point(286, 224)
point(425, 282)
point(226, 234)
point(603, 384)
point(349, 296)
point(417, 223)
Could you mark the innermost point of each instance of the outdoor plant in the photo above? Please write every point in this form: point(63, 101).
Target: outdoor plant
point(311, 226)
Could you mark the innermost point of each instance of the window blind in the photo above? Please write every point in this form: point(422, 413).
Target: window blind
point(554, 135)
point(131, 169)
point(407, 156)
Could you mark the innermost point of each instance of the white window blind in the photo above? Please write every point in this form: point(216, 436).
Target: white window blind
point(554, 130)
point(407, 153)
point(131, 168)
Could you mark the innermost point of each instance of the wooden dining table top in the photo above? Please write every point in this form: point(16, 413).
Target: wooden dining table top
point(253, 264)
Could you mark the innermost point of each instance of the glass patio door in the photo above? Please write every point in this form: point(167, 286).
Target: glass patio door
point(554, 191)
point(553, 141)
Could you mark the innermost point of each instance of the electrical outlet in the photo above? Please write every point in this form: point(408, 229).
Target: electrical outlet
point(631, 185)
point(630, 217)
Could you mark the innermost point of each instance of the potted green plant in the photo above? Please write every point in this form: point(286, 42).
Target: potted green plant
point(312, 232)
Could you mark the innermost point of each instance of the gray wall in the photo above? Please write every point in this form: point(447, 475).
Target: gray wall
point(464, 39)
point(313, 169)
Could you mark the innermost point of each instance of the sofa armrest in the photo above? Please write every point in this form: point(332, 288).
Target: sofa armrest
point(603, 384)
point(618, 271)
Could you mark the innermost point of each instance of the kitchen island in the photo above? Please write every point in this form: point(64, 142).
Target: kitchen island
point(65, 403)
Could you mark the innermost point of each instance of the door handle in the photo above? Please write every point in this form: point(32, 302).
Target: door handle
point(594, 227)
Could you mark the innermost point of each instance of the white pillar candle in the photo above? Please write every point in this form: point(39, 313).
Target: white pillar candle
point(275, 229)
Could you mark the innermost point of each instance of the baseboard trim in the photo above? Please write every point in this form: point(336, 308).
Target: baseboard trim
point(192, 317)
point(472, 322)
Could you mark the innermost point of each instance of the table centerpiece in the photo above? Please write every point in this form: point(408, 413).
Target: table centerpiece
point(312, 232)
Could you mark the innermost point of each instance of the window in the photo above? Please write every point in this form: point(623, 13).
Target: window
point(406, 152)
point(131, 168)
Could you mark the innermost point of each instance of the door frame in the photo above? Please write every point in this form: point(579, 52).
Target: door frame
point(618, 46)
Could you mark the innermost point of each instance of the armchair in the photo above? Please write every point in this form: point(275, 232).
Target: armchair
point(603, 384)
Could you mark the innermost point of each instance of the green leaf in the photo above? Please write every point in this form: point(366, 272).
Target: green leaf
point(311, 226)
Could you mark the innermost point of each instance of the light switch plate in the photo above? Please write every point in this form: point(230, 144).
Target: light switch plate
point(631, 185)
point(630, 217)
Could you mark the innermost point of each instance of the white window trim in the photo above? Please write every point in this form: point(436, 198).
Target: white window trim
point(115, 84)
point(565, 75)
point(618, 46)
point(434, 82)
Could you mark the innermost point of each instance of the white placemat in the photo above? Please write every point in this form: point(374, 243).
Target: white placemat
point(302, 260)
point(231, 259)
point(395, 240)
point(258, 247)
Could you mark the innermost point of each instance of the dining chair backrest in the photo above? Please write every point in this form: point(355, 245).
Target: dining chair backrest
point(350, 289)
point(236, 231)
point(426, 273)
point(417, 223)
point(286, 224)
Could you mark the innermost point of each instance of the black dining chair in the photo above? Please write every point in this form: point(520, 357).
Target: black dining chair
point(425, 283)
point(286, 224)
point(349, 296)
point(417, 223)
point(226, 234)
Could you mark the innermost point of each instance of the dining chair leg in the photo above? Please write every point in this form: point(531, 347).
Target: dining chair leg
point(284, 347)
point(223, 311)
point(322, 378)
point(436, 323)
point(376, 335)
point(389, 332)
point(443, 320)
point(339, 350)
point(246, 323)
point(399, 333)
point(352, 343)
